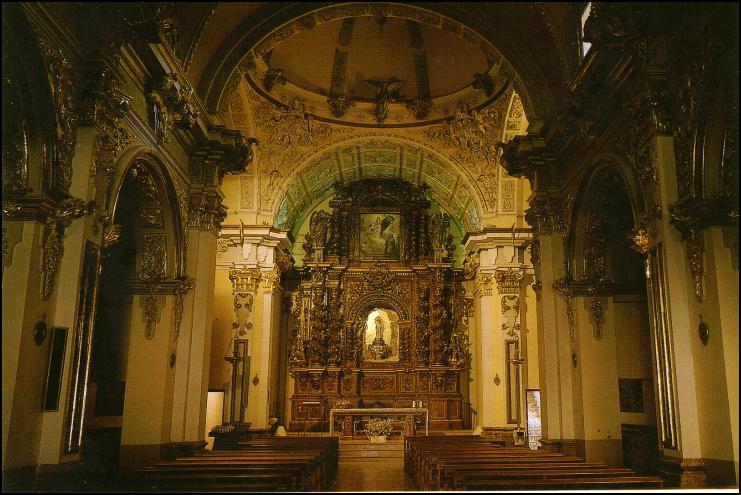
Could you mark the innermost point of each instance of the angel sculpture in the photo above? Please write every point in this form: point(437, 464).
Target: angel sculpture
point(387, 91)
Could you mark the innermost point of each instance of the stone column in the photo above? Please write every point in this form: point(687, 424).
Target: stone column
point(556, 323)
point(260, 323)
point(500, 274)
point(193, 316)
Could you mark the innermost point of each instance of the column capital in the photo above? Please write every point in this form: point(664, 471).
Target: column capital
point(244, 279)
point(509, 280)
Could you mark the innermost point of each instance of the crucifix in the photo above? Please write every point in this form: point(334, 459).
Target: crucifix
point(234, 360)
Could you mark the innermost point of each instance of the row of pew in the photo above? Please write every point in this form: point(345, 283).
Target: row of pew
point(264, 464)
point(475, 464)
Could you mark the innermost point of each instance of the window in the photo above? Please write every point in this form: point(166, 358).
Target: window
point(584, 15)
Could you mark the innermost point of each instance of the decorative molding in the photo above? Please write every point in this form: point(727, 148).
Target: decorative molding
point(206, 211)
point(597, 312)
point(182, 286)
point(696, 257)
point(485, 283)
point(61, 217)
point(340, 104)
point(105, 106)
point(509, 281)
point(63, 78)
point(245, 279)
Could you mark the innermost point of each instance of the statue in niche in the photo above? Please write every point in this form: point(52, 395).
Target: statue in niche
point(438, 230)
point(381, 328)
point(319, 228)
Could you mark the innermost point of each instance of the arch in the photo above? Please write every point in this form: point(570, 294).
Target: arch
point(275, 23)
point(29, 115)
point(344, 160)
point(366, 303)
point(144, 160)
point(605, 205)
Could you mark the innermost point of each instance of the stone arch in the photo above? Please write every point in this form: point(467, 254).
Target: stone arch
point(30, 121)
point(156, 180)
point(605, 206)
point(383, 300)
point(467, 214)
point(280, 21)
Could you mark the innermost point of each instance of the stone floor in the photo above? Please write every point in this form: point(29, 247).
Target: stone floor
point(365, 467)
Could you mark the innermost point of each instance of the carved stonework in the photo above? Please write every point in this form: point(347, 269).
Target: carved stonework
point(535, 252)
point(597, 312)
point(181, 288)
point(206, 212)
point(485, 283)
point(509, 281)
point(511, 315)
point(420, 107)
point(63, 79)
point(150, 315)
point(104, 106)
point(58, 220)
point(270, 280)
point(545, 216)
point(471, 265)
point(339, 105)
point(379, 277)
point(244, 279)
point(695, 255)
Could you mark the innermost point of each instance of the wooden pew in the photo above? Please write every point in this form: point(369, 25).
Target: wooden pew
point(473, 464)
point(258, 465)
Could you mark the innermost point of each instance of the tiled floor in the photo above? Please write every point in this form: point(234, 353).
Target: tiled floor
point(366, 467)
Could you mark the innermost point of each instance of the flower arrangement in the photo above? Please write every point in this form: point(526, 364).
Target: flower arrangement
point(378, 427)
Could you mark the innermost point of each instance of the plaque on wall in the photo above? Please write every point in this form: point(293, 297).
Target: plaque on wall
point(380, 234)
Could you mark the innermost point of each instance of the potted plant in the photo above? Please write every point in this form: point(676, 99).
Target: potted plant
point(377, 429)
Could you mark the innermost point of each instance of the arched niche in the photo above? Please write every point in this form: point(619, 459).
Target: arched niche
point(604, 213)
point(397, 311)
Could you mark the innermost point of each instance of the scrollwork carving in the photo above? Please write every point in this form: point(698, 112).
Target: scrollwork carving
point(56, 222)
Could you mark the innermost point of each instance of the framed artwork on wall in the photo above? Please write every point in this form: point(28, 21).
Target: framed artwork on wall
point(631, 395)
point(380, 235)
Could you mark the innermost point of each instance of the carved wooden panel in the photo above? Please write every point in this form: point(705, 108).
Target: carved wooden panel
point(373, 384)
point(438, 409)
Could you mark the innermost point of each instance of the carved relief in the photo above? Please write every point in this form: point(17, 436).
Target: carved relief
point(695, 255)
point(63, 79)
point(511, 315)
point(508, 281)
point(597, 312)
point(182, 287)
point(58, 220)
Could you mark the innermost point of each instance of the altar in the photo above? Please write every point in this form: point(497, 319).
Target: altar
point(407, 414)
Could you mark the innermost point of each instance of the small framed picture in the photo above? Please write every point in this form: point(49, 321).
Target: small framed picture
point(631, 395)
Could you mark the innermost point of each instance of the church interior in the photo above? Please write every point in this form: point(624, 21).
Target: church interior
point(370, 246)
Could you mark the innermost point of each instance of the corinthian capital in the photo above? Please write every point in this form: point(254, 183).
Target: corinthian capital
point(509, 281)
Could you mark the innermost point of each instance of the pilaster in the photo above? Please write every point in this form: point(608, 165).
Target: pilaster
point(500, 279)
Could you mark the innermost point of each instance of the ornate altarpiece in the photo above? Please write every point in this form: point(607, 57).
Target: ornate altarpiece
point(343, 281)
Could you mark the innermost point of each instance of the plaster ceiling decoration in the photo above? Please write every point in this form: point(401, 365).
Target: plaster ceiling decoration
point(378, 157)
point(377, 65)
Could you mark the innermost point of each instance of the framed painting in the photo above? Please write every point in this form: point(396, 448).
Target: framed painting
point(380, 235)
point(631, 395)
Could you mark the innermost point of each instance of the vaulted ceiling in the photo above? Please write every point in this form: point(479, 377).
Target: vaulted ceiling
point(453, 81)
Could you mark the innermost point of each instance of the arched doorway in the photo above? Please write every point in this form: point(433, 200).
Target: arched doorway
point(141, 251)
point(609, 310)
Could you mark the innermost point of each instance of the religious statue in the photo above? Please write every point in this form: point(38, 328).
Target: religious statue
point(379, 349)
point(319, 228)
point(438, 230)
point(387, 91)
